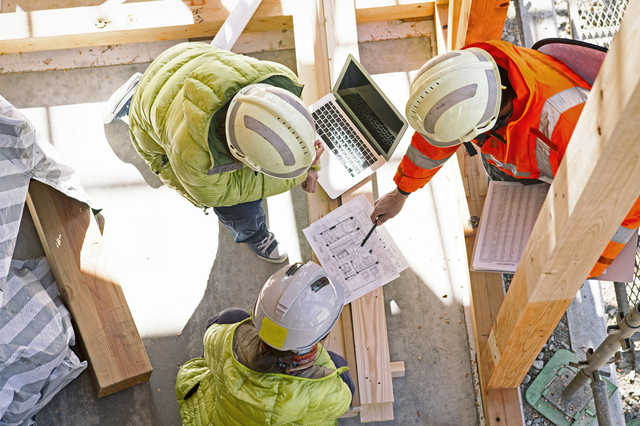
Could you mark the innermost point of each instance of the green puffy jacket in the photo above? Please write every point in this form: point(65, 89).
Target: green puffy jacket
point(219, 390)
point(170, 117)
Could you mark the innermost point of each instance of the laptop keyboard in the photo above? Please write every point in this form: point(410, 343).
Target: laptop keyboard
point(342, 140)
point(370, 120)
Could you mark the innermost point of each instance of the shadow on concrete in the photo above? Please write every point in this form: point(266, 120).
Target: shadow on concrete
point(117, 135)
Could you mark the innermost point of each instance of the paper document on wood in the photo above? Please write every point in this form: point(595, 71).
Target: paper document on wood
point(509, 213)
point(336, 239)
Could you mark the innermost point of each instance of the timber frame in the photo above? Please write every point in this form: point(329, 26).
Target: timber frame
point(508, 331)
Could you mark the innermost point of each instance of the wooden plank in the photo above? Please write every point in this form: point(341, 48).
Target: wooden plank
point(91, 292)
point(370, 335)
point(454, 17)
point(311, 47)
point(596, 184)
point(126, 23)
point(397, 369)
point(341, 34)
point(478, 20)
point(376, 412)
point(107, 24)
point(442, 27)
point(500, 406)
point(350, 351)
point(371, 340)
point(341, 40)
point(368, 12)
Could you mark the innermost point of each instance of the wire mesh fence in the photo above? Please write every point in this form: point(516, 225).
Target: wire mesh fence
point(596, 21)
point(633, 288)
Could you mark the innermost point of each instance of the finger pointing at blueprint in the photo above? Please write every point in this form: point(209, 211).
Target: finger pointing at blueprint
point(336, 239)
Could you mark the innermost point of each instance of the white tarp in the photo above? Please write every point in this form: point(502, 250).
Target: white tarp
point(35, 327)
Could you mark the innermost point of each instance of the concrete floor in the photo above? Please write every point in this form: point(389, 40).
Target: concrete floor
point(178, 266)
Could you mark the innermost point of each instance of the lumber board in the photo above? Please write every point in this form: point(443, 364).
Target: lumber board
point(441, 18)
point(370, 335)
point(350, 351)
point(341, 40)
point(80, 263)
point(579, 215)
point(109, 24)
point(341, 34)
point(372, 11)
point(478, 20)
point(501, 406)
point(104, 25)
point(456, 17)
point(397, 369)
point(376, 412)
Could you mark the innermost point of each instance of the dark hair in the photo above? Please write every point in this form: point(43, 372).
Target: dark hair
point(220, 121)
point(267, 360)
point(507, 93)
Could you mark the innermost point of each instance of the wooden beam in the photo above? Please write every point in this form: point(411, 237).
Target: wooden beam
point(442, 28)
point(108, 24)
point(126, 23)
point(478, 20)
point(455, 16)
point(373, 372)
point(397, 369)
point(596, 184)
point(90, 290)
point(501, 406)
point(371, 11)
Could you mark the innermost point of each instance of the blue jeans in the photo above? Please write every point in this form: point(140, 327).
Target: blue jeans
point(247, 221)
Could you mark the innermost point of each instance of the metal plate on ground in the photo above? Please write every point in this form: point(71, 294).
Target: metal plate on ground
point(539, 393)
point(582, 400)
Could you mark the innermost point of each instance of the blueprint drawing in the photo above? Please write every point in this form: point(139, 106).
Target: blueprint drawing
point(336, 240)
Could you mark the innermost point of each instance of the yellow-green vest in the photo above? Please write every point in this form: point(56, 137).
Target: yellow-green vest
point(219, 390)
point(170, 116)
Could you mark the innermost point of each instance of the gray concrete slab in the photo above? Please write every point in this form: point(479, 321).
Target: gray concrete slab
point(178, 266)
point(538, 19)
point(587, 329)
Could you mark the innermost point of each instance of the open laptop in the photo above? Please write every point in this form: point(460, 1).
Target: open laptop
point(359, 126)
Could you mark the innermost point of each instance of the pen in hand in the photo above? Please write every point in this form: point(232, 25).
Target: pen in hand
point(371, 231)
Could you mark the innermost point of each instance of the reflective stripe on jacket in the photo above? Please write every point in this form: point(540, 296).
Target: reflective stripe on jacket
point(548, 103)
point(219, 390)
point(620, 238)
point(549, 100)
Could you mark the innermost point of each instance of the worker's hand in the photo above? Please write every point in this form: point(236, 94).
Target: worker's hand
point(311, 184)
point(388, 206)
point(317, 144)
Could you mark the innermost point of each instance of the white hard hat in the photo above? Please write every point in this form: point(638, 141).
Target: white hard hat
point(297, 307)
point(270, 130)
point(455, 97)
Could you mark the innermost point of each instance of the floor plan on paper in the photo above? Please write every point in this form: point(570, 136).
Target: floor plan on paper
point(336, 240)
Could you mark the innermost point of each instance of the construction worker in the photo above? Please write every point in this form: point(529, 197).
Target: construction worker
point(270, 368)
point(224, 131)
point(518, 105)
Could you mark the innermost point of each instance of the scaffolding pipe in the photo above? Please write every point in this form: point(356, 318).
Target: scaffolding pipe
point(605, 351)
point(601, 400)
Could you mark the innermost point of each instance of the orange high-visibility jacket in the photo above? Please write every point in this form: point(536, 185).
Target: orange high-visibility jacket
point(548, 103)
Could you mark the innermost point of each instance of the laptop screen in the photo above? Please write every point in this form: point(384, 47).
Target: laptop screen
point(369, 108)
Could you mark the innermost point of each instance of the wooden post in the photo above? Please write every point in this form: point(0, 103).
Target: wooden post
point(90, 290)
point(596, 184)
point(500, 406)
point(478, 20)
